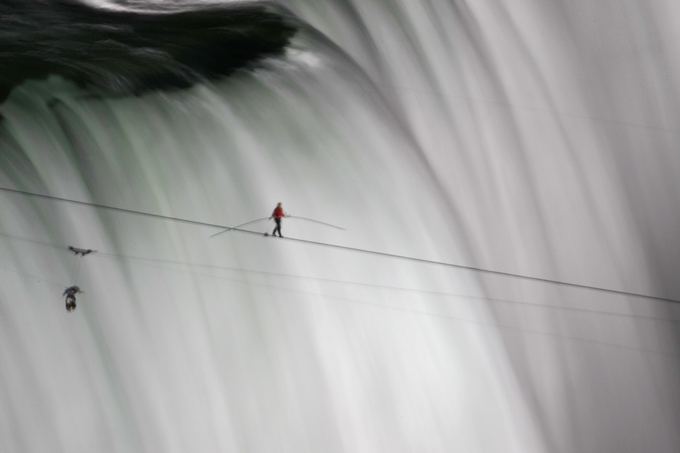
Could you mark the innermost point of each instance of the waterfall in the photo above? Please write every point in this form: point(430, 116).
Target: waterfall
point(504, 281)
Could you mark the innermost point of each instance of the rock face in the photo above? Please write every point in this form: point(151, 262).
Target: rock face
point(124, 52)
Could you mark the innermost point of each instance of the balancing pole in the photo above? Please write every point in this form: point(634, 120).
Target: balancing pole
point(238, 226)
point(316, 221)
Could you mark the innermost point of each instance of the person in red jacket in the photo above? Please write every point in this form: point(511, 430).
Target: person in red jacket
point(277, 215)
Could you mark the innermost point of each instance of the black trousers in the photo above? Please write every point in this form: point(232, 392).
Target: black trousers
point(277, 227)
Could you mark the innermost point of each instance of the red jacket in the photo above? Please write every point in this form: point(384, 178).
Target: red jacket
point(278, 213)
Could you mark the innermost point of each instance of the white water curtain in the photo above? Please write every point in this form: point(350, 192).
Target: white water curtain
point(529, 137)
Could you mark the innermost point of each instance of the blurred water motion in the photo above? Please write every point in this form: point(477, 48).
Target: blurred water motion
point(532, 138)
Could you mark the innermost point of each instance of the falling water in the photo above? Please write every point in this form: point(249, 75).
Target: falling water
point(452, 138)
